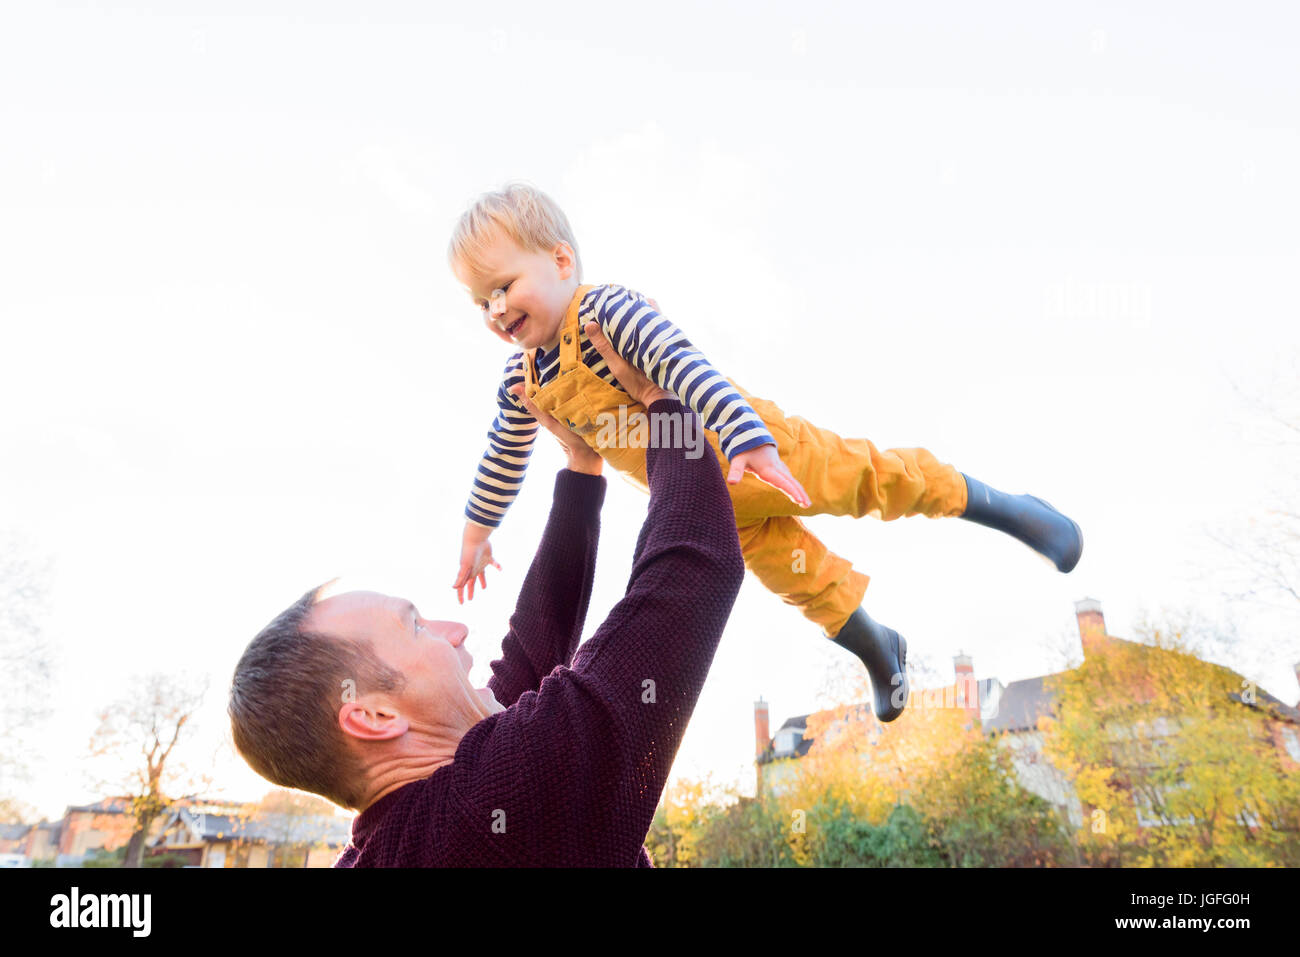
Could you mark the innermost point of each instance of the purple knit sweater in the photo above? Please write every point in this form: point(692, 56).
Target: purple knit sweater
point(571, 772)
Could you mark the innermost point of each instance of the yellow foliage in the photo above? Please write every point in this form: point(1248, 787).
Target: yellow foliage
point(870, 768)
point(1172, 766)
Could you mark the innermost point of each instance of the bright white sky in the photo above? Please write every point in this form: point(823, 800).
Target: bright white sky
point(1041, 241)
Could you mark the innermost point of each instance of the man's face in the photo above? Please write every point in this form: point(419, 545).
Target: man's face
point(431, 654)
point(537, 286)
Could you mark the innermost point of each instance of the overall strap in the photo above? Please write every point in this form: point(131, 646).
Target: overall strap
point(571, 334)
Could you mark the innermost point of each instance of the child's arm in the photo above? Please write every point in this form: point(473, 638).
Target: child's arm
point(653, 344)
point(497, 482)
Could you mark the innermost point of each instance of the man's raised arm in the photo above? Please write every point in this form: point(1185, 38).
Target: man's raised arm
point(578, 767)
point(552, 606)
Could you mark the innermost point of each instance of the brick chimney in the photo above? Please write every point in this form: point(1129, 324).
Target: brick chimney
point(762, 729)
point(1092, 626)
point(968, 694)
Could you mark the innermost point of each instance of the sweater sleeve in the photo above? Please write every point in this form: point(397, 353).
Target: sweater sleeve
point(552, 605)
point(571, 774)
point(658, 348)
point(500, 473)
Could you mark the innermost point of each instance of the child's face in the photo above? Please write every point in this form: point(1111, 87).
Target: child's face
point(538, 287)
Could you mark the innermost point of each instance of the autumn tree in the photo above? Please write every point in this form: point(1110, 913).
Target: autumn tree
point(701, 823)
point(137, 738)
point(928, 789)
point(1176, 758)
point(1260, 545)
point(748, 832)
point(683, 814)
point(13, 810)
point(982, 816)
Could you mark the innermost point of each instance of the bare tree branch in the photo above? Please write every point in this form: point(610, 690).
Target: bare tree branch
point(24, 655)
point(154, 716)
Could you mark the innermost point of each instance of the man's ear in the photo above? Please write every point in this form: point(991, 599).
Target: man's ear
point(565, 260)
point(371, 721)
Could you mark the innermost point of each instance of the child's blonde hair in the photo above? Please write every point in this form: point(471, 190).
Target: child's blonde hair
point(521, 211)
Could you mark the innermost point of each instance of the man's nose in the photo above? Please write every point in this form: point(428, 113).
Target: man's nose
point(453, 631)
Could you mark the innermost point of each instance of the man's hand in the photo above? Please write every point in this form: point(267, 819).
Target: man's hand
point(767, 465)
point(475, 557)
point(582, 457)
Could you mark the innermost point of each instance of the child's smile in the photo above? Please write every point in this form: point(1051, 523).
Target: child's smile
point(523, 294)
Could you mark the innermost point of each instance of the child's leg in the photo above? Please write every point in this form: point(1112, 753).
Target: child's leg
point(850, 476)
point(853, 477)
point(794, 564)
point(1027, 518)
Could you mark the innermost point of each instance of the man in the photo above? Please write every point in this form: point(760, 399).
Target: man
point(360, 699)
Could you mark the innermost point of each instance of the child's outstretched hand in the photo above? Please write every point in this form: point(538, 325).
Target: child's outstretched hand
point(475, 557)
point(767, 465)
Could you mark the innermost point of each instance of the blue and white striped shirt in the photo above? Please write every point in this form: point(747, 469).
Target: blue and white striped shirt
point(645, 339)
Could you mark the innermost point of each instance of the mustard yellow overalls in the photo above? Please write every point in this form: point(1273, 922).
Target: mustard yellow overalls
point(841, 476)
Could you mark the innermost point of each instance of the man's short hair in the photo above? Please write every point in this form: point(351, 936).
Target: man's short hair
point(285, 698)
point(521, 211)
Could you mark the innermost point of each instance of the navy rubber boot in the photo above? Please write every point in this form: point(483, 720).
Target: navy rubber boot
point(884, 652)
point(1028, 519)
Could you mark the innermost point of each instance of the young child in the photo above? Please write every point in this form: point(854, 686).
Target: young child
point(515, 254)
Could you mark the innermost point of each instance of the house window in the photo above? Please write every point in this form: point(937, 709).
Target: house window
point(1148, 817)
point(1291, 741)
point(1248, 819)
